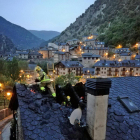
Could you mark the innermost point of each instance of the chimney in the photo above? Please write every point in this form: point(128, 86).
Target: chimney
point(97, 105)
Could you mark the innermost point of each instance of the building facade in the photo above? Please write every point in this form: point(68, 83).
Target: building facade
point(59, 56)
point(105, 68)
point(89, 59)
point(67, 67)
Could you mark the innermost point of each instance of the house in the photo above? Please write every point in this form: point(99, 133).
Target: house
point(125, 56)
point(89, 59)
point(123, 68)
point(122, 50)
point(90, 42)
point(137, 57)
point(59, 56)
point(67, 67)
point(23, 55)
point(102, 51)
point(35, 55)
point(92, 36)
point(99, 44)
point(75, 51)
point(88, 72)
point(63, 47)
point(117, 110)
point(53, 45)
point(73, 41)
point(47, 52)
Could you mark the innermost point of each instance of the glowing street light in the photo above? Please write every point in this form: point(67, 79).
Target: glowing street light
point(21, 71)
point(0, 85)
point(8, 93)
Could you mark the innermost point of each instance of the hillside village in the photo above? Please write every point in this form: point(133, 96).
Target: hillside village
point(88, 57)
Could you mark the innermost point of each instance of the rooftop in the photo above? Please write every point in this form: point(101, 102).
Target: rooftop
point(43, 118)
point(124, 63)
point(70, 64)
point(90, 55)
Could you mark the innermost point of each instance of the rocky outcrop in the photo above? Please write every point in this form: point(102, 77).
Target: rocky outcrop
point(5, 44)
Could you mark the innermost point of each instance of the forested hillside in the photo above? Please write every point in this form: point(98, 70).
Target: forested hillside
point(116, 21)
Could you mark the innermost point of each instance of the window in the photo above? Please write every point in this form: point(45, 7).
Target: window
point(128, 104)
point(63, 72)
point(63, 68)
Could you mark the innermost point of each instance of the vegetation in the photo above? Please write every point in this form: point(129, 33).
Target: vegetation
point(68, 78)
point(43, 65)
point(10, 70)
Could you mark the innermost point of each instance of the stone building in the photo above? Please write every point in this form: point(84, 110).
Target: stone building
point(47, 52)
point(63, 47)
point(102, 51)
point(89, 59)
point(117, 68)
point(67, 67)
point(59, 56)
point(35, 55)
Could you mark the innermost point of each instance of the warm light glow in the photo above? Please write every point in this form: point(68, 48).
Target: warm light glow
point(114, 55)
point(0, 85)
point(88, 71)
point(119, 46)
point(137, 44)
point(51, 79)
point(54, 71)
point(127, 71)
point(80, 49)
point(8, 93)
point(28, 76)
point(20, 76)
point(82, 52)
point(119, 60)
point(106, 53)
point(63, 50)
point(21, 71)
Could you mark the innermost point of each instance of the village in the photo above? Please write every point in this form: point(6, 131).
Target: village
point(86, 58)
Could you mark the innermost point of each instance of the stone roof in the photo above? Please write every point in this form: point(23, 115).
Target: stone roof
point(137, 57)
point(122, 50)
point(70, 64)
point(99, 43)
point(122, 125)
point(90, 55)
point(124, 63)
point(44, 119)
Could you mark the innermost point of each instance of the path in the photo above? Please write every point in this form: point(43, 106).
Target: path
point(4, 123)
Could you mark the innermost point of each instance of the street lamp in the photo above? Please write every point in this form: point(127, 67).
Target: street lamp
point(8, 93)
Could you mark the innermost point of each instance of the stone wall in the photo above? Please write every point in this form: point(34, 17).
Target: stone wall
point(5, 113)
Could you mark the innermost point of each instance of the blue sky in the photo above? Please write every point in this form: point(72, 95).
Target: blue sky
point(43, 14)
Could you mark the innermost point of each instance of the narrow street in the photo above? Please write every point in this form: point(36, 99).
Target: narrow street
point(3, 123)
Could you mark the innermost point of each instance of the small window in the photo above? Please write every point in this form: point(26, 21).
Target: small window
point(128, 104)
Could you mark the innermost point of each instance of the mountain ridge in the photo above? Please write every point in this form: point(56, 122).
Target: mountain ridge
point(45, 35)
point(20, 36)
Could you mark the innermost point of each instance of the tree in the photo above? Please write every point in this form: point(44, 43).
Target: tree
point(65, 79)
point(12, 69)
point(23, 65)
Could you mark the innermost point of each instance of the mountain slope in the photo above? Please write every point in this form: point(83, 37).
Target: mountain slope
point(116, 21)
point(46, 35)
point(5, 44)
point(21, 37)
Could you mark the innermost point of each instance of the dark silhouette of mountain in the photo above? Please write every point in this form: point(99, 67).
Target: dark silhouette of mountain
point(21, 37)
point(6, 45)
point(46, 35)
